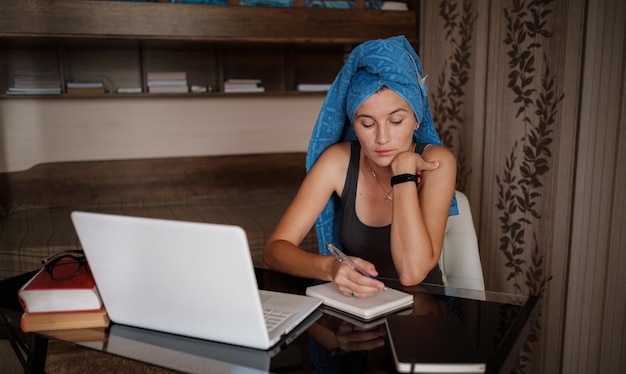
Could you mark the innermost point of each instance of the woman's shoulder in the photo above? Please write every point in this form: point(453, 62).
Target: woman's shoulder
point(335, 155)
point(428, 148)
point(439, 152)
point(338, 149)
point(332, 166)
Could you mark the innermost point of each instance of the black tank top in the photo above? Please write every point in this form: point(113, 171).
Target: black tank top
point(367, 242)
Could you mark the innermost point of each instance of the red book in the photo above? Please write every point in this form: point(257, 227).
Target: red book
point(44, 294)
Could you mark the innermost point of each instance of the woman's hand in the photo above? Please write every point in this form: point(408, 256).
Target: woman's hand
point(352, 283)
point(411, 163)
point(353, 338)
point(420, 212)
point(338, 336)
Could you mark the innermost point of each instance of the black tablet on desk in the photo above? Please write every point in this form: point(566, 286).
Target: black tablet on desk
point(432, 344)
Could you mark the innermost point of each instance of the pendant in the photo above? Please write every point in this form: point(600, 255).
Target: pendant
point(388, 197)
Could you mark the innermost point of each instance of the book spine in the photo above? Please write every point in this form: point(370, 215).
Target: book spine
point(49, 321)
point(166, 76)
point(243, 89)
point(167, 82)
point(84, 84)
point(85, 91)
point(168, 89)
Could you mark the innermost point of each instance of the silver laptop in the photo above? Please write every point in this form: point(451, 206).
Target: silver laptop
point(187, 278)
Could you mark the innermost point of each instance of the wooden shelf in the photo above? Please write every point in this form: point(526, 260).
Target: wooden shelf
point(119, 42)
point(166, 95)
point(224, 23)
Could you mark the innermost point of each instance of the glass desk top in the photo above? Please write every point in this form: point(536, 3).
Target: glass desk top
point(496, 324)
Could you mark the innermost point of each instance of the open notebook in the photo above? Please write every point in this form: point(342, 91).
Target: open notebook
point(187, 278)
point(368, 308)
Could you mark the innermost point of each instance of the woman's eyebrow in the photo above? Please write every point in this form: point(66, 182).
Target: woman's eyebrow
point(364, 115)
point(398, 110)
point(372, 117)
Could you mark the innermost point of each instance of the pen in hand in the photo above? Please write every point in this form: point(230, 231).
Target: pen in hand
point(339, 255)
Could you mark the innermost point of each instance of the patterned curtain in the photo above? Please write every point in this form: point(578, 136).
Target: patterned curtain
point(495, 101)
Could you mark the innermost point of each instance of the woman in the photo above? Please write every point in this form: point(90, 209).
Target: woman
point(375, 127)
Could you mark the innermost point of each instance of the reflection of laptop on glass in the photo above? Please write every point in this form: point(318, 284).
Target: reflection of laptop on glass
point(187, 278)
point(191, 355)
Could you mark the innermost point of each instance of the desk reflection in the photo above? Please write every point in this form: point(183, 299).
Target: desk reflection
point(497, 325)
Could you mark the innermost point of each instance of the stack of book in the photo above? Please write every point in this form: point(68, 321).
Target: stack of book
point(51, 304)
point(243, 85)
point(129, 90)
point(313, 87)
point(25, 84)
point(167, 82)
point(85, 88)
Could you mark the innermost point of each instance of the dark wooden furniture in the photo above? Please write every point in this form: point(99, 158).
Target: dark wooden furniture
point(118, 42)
point(251, 191)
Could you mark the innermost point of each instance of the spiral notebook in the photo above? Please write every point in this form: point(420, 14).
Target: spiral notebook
point(381, 304)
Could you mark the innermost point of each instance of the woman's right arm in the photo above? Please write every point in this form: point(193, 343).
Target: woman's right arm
point(281, 252)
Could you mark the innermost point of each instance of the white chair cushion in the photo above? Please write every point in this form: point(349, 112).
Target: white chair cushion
point(460, 259)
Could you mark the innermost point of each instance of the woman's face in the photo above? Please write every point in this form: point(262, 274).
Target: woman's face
point(384, 125)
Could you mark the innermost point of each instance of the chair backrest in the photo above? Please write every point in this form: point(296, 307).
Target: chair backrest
point(460, 260)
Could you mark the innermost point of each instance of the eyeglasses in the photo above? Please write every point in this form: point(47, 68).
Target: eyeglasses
point(65, 264)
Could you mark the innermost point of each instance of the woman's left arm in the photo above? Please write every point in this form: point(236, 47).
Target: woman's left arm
point(420, 211)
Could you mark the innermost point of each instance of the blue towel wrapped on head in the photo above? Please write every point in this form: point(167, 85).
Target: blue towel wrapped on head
point(392, 63)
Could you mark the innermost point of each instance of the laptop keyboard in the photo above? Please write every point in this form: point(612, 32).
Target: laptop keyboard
point(273, 317)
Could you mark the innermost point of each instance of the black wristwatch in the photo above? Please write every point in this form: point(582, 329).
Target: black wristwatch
point(401, 178)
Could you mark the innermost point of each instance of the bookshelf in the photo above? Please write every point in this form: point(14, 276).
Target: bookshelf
point(118, 43)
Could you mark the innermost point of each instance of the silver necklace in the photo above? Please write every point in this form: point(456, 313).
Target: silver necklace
point(387, 194)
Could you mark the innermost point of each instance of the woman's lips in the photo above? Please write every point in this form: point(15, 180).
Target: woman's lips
point(384, 153)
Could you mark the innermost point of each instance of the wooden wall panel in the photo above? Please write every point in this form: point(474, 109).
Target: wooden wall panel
point(596, 288)
point(568, 241)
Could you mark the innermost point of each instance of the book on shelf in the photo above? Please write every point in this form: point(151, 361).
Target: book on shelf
point(242, 81)
point(85, 84)
point(85, 90)
point(165, 82)
point(168, 89)
point(38, 84)
point(47, 321)
point(243, 85)
point(129, 90)
point(368, 308)
point(34, 91)
point(35, 84)
point(313, 87)
point(166, 75)
point(243, 89)
point(44, 294)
